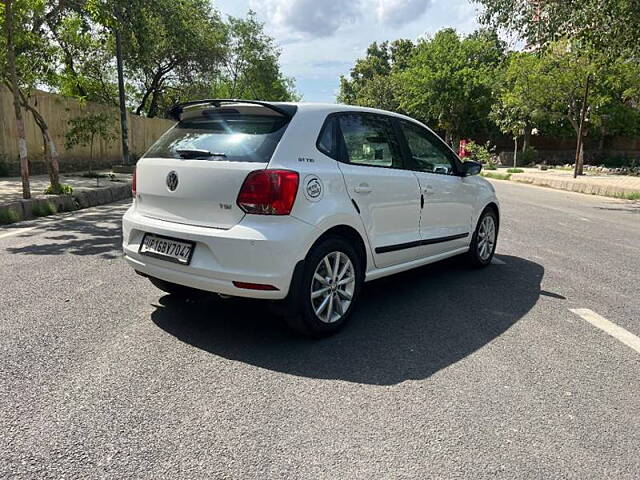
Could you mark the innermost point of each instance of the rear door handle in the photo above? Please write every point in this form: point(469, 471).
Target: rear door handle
point(362, 188)
point(428, 190)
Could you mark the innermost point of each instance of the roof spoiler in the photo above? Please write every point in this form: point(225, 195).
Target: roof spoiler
point(283, 109)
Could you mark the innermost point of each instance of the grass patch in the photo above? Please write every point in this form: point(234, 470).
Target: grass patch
point(489, 166)
point(497, 176)
point(43, 209)
point(628, 196)
point(8, 216)
point(515, 170)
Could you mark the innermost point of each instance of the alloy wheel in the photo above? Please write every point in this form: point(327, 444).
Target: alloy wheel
point(486, 237)
point(333, 287)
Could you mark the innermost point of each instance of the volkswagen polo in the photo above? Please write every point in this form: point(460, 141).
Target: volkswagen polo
point(301, 204)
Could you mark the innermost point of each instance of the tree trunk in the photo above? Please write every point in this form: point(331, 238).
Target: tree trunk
point(153, 106)
point(515, 152)
point(50, 152)
point(123, 105)
point(13, 75)
point(91, 155)
point(527, 138)
point(578, 170)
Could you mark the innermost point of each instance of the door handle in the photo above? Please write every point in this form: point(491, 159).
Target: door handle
point(362, 188)
point(428, 190)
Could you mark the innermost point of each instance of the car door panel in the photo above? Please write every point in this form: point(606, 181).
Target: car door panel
point(447, 205)
point(387, 196)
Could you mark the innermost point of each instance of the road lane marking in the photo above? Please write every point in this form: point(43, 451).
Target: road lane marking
point(497, 261)
point(619, 333)
point(16, 232)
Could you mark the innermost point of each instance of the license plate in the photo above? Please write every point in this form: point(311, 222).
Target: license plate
point(178, 251)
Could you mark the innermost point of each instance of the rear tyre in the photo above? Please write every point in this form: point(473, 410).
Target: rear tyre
point(328, 290)
point(175, 290)
point(485, 239)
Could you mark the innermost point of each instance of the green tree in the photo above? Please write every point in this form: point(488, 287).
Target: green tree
point(250, 68)
point(85, 129)
point(26, 60)
point(450, 82)
point(608, 26)
point(370, 83)
point(175, 40)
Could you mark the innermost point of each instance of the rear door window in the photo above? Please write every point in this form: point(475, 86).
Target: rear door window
point(370, 140)
point(234, 138)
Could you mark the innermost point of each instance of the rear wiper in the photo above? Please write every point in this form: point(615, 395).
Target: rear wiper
point(197, 153)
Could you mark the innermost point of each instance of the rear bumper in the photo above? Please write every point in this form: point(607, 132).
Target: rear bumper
point(260, 249)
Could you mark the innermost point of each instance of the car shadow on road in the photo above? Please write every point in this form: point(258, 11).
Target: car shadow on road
point(408, 326)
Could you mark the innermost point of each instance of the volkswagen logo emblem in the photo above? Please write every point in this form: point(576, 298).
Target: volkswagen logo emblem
point(172, 180)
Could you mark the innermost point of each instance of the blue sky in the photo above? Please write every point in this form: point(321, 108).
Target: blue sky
point(321, 39)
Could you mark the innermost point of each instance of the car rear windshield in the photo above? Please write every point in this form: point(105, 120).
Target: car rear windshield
point(231, 138)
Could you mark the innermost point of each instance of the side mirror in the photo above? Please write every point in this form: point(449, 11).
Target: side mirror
point(470, 168)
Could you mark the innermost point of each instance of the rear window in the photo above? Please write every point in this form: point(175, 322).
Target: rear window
point(231, 138)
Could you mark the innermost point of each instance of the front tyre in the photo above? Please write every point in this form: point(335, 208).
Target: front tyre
point(329, 288)
point(485, 238)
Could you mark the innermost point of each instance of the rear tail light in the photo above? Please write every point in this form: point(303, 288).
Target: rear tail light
point(133, 182)
point(269, 192)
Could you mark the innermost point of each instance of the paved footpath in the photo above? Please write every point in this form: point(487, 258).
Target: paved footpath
point(11, 187)
point(606, 185)
point(444, 372)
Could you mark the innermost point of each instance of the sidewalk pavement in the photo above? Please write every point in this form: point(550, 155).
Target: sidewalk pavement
point(11, 187)
point(87, 192)
point(606, 185)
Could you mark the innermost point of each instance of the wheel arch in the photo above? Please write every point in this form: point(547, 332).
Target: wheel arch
point(352, 235)
point(492, 206)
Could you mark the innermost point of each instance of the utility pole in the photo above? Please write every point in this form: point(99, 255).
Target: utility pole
point(123, 105)
point(13, 75)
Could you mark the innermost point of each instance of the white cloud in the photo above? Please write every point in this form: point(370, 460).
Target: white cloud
point(322, 18)
point(400, 12)
point(316, 18)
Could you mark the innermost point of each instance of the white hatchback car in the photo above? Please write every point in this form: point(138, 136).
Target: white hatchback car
point(301, 204)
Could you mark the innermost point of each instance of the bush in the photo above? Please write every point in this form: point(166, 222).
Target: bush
point(515, 170)
point(528, 157)
point(43, 209)
point(490, 166)
point(4, 168)
point(8, 216)
point(480, 153)
point(64, 189)
point(615, 162)
point(94, 175)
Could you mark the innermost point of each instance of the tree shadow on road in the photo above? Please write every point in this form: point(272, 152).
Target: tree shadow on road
point(408, 326)
point(91, 232)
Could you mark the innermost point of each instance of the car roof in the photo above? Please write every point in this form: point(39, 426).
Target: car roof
point(338, 107)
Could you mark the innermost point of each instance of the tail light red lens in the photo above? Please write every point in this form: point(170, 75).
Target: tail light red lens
point(133, 183)
point(269, 192)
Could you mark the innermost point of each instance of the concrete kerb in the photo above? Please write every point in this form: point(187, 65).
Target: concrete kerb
point(46, 205)
point(581, 186)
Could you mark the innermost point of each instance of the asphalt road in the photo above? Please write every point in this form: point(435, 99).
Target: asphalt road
point(444, 372)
